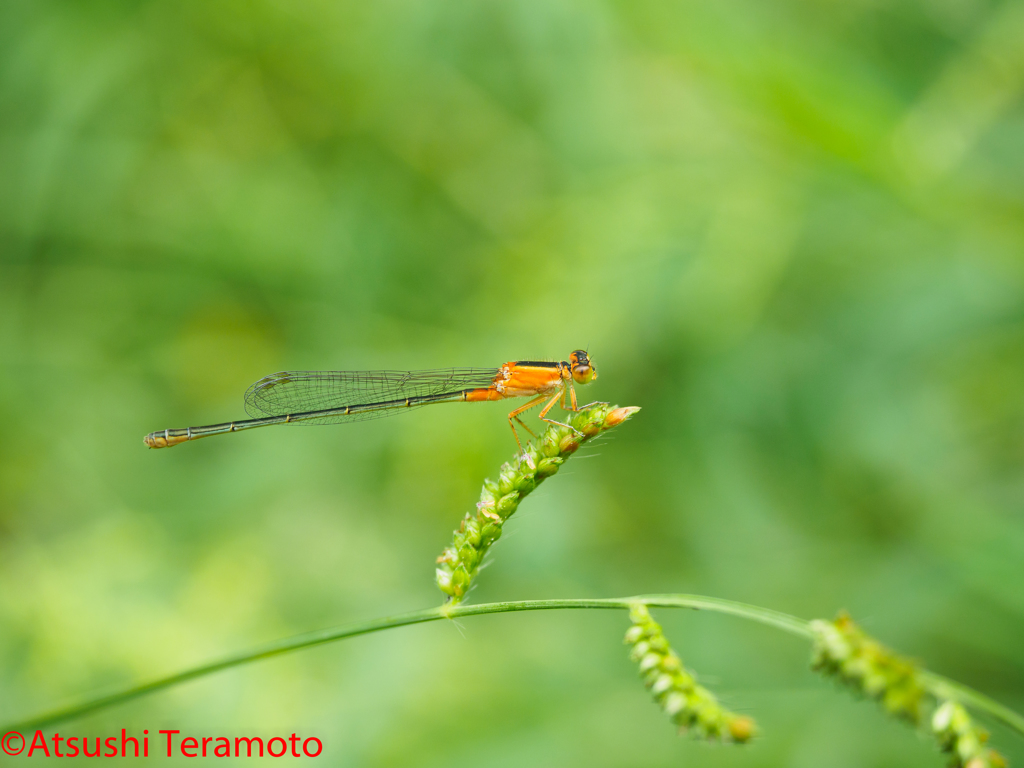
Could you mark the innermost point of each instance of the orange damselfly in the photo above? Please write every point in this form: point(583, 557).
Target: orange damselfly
point(334, 397)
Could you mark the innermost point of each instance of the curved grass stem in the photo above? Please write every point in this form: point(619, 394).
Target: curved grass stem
point(938, 686)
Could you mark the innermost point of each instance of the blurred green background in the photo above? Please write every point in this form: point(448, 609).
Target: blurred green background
point(792, 231)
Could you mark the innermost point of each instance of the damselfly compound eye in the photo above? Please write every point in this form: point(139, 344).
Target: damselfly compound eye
point(584, 374)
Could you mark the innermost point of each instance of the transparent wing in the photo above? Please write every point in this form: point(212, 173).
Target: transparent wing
point(303, 391)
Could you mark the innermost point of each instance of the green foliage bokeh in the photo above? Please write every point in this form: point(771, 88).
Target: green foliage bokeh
point(791, 231)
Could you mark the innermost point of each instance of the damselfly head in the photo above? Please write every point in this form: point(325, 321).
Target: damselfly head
point(583, 371)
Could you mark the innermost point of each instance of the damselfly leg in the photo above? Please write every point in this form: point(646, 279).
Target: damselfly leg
point(551, 404)
point(515, 415)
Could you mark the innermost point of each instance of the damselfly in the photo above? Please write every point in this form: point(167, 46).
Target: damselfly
point(333, 397)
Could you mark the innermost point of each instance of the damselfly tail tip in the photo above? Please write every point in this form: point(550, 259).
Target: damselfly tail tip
point(162, 440)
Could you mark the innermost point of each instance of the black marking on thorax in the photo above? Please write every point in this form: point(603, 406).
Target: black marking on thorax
point(538, 363)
